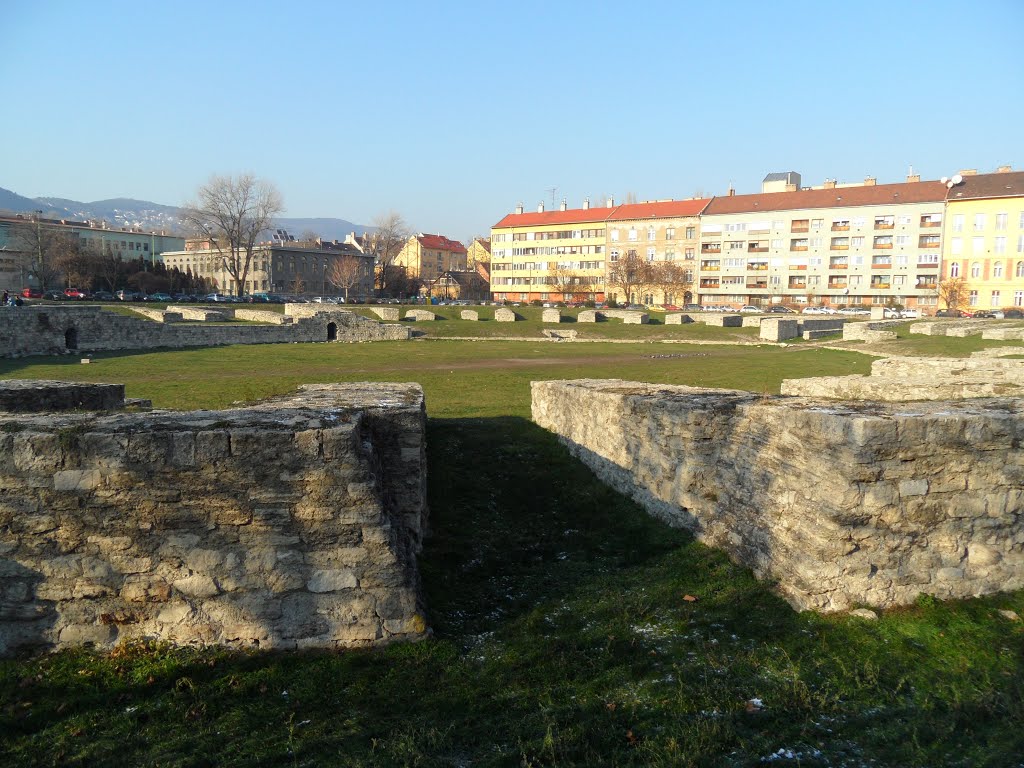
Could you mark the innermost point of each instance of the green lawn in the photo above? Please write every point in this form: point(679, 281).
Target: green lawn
point(561, 633)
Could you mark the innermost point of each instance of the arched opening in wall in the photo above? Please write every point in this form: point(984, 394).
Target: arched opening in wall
point(332, 331)
point(71, 338)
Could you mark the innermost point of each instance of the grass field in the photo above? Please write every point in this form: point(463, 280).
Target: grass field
point(561, 636)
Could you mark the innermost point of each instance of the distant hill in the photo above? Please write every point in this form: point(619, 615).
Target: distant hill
point(126, 212)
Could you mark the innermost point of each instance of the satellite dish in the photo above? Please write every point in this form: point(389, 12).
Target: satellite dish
point(957, 179)
point(949, 184)
point(944, 179)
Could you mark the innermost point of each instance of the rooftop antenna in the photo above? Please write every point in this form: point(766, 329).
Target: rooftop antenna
point(552, 191)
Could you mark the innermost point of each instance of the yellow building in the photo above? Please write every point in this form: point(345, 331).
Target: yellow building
point(427, 257)
point(479, 252)
point(984, 237)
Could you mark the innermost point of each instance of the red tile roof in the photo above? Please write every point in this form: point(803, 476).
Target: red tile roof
point(986, 185)
point(617, 213)
point(441, 243)
point(660, 209)
point(879, 194)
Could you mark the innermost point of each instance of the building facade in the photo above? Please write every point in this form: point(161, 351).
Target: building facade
point(984, 237)
point(864, 244)
point(426, 257)
point(478, 252)
point(316, 268)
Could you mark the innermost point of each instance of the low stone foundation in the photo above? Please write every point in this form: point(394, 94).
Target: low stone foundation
point(389, 314)
point(469, 314)
point(720, 320)
point(292, 523)
point(505, 315)
point(417, 315)
point(40, 395)
point(551, 316)
point(677, 318)
point(840, 504)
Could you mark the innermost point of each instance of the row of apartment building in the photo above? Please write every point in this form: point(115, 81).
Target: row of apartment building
point(862, 243)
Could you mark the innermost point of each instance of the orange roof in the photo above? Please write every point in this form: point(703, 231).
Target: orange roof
point(879, 194)
point(659, 209)
point(626, 211)
point(441, 243)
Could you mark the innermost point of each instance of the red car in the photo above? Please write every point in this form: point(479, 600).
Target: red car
point(32, 293)
point(74, 293)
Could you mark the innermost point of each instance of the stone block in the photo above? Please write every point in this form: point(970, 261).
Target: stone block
point(677, 318)
point(551, 315)
point(389, 314)
point(469, 314)
point(587, 316)
point(419, 315)
point(505, 315)
point(779, 329)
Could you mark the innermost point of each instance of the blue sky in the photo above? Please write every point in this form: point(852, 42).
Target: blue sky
point(451, 113)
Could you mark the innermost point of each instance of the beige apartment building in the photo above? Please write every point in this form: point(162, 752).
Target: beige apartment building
point(837, 244)
point(426, 257)
point(984, 237)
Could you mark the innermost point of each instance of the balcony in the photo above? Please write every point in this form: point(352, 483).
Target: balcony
point(798, 248)
point(925, 224)
point(883, 246)
point(710, 268)
point(927, 265)
point(927, 244)
point(839, 247)
point(800, 228)
point(879, 286)
point(757, 286)
point(921, 286)
point(709, 284)
point(757, 267)
point(711, 248)
point(885, 225)
point(837, 286)
point(844, 227)
point(797, 285)
point(799, 267)
point(757, 248)
point(882, 265)
point(838, 265)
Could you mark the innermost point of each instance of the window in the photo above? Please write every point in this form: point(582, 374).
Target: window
point(1001, 220)
point(954, 269)
point(782, 224)
point(689, 254)
point(857, 260)
point(670, 233)
point(815, 242)
point(972, 298)
point(995, 302)
point(776, 243)
point(670, 255)
point(899, 280)
point(958, 223)
point(1020, 244)
point(691, 232)
point(999, 246)
point(632, 234)
point(902, 240)
point(1019, 271)
point(736, 245)
point(858, 221)
point(956, 246)
point(651, 234)
point(856, 242)
point(816, 223)
point(901, 260)
point(613, 255)
point(997, 269)
point(650, 254)
point(903, 220)
point(979, 222)
point(614, 235)
point(975, 269)
point(977, 244)
point(1018, 298)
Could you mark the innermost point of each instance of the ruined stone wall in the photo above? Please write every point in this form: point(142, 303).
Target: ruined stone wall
point(292, 523)
point(840, 503)
point(45, 330)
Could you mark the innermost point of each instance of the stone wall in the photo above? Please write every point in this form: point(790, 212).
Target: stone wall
point(47, 330)
point(840, 504)
point(288, 524)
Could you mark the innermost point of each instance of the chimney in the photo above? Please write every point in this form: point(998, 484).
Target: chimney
point(732, 192)
point(969, 172)
point(609, 203)
point(519, 208)
point(869, 181)
point(562, 206)
point(540, 207)
point(829, 184)
point(913, 178)
point(791, 187)
point(1004, 169)
point(586, 204)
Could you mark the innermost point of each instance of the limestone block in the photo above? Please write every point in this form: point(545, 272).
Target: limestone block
point(1003, 334)
point(752, 321)
point(469, 314)
point(551, 315)
point(417, 315)
point(389, 314)
point(587, 316)
point(724, 321)
point(505, 315)
point(779, 329)
point(559, 334)
point(677, 318)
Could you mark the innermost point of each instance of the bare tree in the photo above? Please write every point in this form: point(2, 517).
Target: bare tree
point(564, 278)
point(631, 274)
point(345, 272)
point(232, 213)
point(44, 249)
point(385, 243)
point(673, 281)
point(953, 292)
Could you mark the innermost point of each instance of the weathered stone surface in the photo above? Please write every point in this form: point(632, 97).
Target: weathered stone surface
point(46, 330)
point(469, 314)
point(721, 320)
point(1004, 334)
point(200, 314)
point(627, 316)
point(416, 315)
point(560, 334)
point(587, 316)
point(236, 527)
point(841, 504)
point(677, 318)
point(390, 314)
point(779, 328)
point(551, 315)
point(28, 396)
point(505, 315)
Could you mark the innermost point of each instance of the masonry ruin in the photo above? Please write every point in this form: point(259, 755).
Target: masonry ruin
point(838, 503)
point(291, 523)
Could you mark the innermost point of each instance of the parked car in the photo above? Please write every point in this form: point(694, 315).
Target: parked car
point(778, 309)
point(54, 295)
point(32, 293)
point(103, 296)
point(751, 309)
point(692, 308)
point(1013, 314)
point(948, 313)
point(217, 297)
point(159, 297)
point(124, 295)
point(910, 314)
point(982, 314)
point(74, 293)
